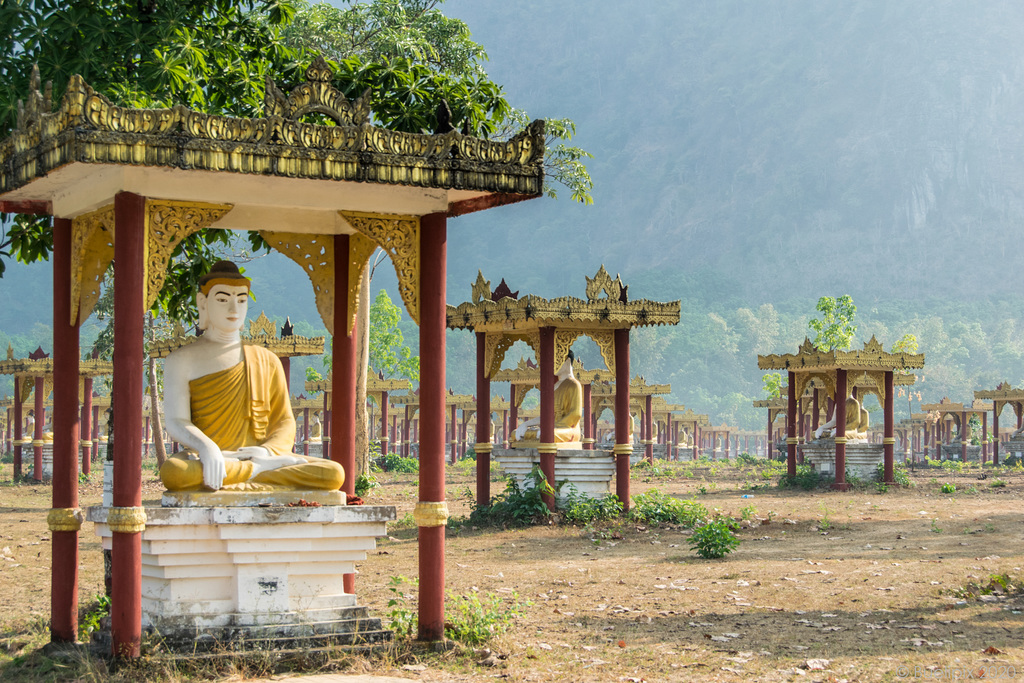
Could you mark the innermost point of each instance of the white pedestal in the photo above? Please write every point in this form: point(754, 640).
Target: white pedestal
point(861, 458)
point(47, 461)
point(1014, 446)
point(590, 472)
point(231, 574)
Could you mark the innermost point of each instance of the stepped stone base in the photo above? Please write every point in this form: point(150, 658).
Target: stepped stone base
point(1014, 446)
point(590, 472)
point(861, 458)
point(28, 456)
point(225, 575)
point(954, 451)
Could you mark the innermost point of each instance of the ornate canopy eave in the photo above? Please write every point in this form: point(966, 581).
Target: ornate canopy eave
point(871, 358)
point(257, 164)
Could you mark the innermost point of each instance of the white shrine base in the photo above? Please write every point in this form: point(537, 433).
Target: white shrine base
point(226, 575)
point(954, 451)
point(1014, 446)
point(590, 472)
point(861, 458)
point(47, 461)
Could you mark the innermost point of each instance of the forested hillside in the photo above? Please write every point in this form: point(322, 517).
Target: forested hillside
point(749, 157)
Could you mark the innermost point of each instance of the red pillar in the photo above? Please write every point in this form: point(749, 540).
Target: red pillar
point(431, 506)
point(648, 429)
point(64, 564)
point(18, 426)
point(963, 441)
point(995, 428)
point(483, 418)
point(768, 437)
point(546, 433)
point(37, 433)
point(286, 363)
point(984, 437)
point(504, 428)
point(791, 425)
point(343, 379)
point(95, 433)
point(405, 431)
point(696, 440)
point(325, 426)
point(513, 409)
point(887, 437)
point(86, 425)
point(385, 441)
point(129, 354)
point(588, 423)
point(840, 432)
point(623, 435)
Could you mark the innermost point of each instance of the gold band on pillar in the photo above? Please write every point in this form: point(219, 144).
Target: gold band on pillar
point(792, 439)
point(430, 514)
point(127, 520)
point(623, 449)
point(325, 439)
point(85, 443)
point(37, 442)
point(547, 448)
point(889, 441)
point(483, 447)
point(64, 519)
point(588, 441)
point(840, 439)
point(648, 442)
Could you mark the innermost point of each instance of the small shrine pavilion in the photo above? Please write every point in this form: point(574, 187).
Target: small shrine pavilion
point(642, 397)
point(959, 414)
point(840, 371)
point(34, 377)
point(692, 423)
point(410, 424)
point(1001, 396)
point(327, 196)
point(550, 327)
point(377, 387)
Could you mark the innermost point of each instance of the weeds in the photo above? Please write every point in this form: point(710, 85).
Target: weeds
point(365, 483)
point(583, 510)
point(947, 488)
point(806, 478)
point(654, 507)
point(517, 506)
point(997, 584)
point(392, 462)
point(715, 539)
point(89, 619)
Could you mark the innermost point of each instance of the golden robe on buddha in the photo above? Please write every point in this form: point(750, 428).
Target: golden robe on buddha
point(568, 400)
point(247, 405)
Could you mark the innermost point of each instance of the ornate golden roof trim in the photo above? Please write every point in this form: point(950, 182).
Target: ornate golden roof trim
point(872, 357)
point(88, 128)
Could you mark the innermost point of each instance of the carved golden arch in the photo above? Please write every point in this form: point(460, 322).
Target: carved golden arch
point(826, 378)
point(167, 223)
point(399, 236)
point(315, 255)
point(496, 344)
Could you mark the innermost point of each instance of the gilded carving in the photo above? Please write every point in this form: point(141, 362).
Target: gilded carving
point(360, 249)
point(262, 326)
point(167, 224)
point(872, 357)
point(605, 341)
point(316, 95)
point(399, 236)
point(315, 255)
point(92, 250)
point(564, 340)
point(430, 514)
point(481, 288)
point(129, 520)
point(602, 282)
point(64, 519)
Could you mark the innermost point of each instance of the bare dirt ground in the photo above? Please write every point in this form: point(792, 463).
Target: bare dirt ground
point(863, 579)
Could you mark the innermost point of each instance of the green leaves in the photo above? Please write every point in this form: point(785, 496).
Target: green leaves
point(835, 330)
point(388, 352)
point(772, 384)
point(715, 539)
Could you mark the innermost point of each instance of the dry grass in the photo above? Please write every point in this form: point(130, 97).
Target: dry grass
point(862, 579)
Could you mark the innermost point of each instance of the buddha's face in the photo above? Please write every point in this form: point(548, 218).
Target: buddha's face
point(226, 306)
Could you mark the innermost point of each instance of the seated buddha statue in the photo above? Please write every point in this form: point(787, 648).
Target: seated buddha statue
point(316, 429)
point(568, 400)
point(227, 404)
point(857, 422)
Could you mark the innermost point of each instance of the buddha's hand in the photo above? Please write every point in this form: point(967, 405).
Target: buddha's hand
point(214, 469)
point(248, 453)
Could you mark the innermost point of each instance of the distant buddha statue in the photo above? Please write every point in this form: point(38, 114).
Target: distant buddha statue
point(857, 422)
point(568, 400)
point(227, 404)
point(316, 430)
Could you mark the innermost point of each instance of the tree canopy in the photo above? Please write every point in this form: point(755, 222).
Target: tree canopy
point(835, 329)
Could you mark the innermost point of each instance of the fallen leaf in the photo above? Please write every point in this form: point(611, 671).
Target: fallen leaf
point(622, 643)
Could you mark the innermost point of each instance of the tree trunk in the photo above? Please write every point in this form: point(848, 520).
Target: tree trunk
point(154, 404)
point(362, 363)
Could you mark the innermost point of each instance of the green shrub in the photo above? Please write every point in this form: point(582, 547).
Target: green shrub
point(806, 478)
point(947, 488)
point(997, 484)
point(89, 619)
point(392, 462)
point(365, 483)
point(654, 507)
point(470, 620)
point(715, 539)
point(899, 474)
point(517, 506)
point(581, 509)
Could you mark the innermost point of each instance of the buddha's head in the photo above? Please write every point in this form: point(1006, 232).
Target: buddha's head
point(566, 369)
point(223, 298)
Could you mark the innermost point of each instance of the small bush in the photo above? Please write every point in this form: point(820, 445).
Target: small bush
point(998, 484)
point(580, 509)
point(517, 506)
point(654, 507)
point(392, 462)
point(471, 620)
point(365, 483)
point(899, 474)
point(806, 478)
point(715, 539)
point(90, 615)
point(947, 488)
